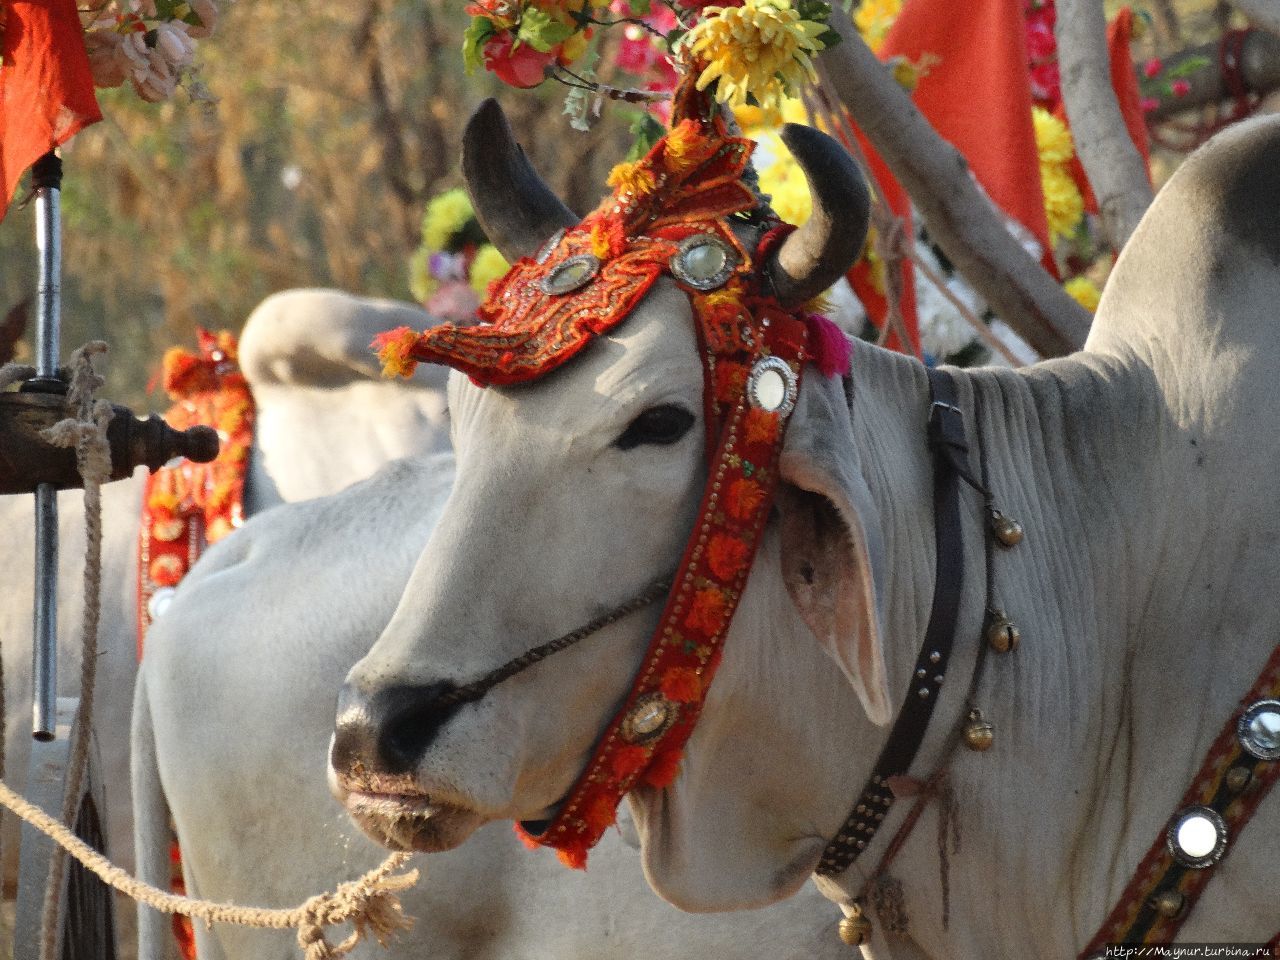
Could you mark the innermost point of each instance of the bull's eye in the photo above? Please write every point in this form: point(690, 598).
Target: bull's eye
point(661, 426)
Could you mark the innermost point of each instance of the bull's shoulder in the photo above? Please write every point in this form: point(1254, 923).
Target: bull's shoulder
point(320, 338)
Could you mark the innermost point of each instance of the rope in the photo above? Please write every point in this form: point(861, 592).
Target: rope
point(470, 692)
point(369, 903)
point(12, 373)
point(87, 433)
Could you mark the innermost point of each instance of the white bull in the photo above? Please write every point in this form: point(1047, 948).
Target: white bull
point(233, 714)
point(326, 418)
point(1144, 469)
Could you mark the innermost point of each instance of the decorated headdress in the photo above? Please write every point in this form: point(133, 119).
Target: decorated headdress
point(688, 211)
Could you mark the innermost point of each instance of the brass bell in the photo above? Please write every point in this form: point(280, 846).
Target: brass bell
point(1167, 903)
point(1002, 633)
point(855, 929)
point(979, 733)
point(1007, 530)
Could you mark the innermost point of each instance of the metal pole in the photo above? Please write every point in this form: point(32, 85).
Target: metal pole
point(46, 176)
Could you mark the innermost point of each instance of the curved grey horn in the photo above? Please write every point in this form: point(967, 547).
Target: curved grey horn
point(516, 209)
point(821, 252)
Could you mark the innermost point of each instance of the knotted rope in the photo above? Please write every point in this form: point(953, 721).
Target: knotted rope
point(368, 903)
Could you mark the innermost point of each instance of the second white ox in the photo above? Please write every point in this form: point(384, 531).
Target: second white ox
point(1144, 469)
point(326, 418)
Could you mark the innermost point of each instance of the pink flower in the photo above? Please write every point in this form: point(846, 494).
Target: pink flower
point(1180, 88)
point(523, 67)
point(1040, 42)
point(1148, 104)
point(1152, 67)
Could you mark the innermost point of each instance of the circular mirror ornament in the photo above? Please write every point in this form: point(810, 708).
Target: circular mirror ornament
point(1197, 837)
point(574, 274)
point(549, 247)
point(1258, 729)
point(772, 386)
point(704, 262)
point(651, 716)
point(159, 602)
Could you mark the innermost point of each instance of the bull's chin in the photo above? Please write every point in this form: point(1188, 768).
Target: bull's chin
point(411, 821)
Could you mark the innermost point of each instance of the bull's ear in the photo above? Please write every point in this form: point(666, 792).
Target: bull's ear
point(832, 552)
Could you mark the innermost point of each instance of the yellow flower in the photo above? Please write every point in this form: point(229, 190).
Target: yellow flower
point(421, 283)
point(761, 49)
point(1084, 292)
point(1053, 139)
point(1063, 205)
point(753, 119)
point(487, 267)
point(785, 182)
point(684, 147)
point(873, 19)
point(447, 214)
point(633, 178)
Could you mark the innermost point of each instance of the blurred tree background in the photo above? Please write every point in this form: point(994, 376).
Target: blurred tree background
point(332, 124)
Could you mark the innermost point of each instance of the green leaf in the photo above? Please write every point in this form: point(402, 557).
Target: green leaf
point(829, 38)
point(476, 36)
point(1188, 66)
point(640, 8)
point(542, 31)
point(817, 11)
point(646, 131)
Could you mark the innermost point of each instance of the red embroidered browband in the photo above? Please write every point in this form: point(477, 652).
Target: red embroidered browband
point(668, 215)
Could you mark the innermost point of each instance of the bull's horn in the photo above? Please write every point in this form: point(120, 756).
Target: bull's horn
point(821, 252)
point(516, 210)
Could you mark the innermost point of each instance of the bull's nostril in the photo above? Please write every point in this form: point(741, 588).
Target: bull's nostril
point(388, 731)
point(414, 715)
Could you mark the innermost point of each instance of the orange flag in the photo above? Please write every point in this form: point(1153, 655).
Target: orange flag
point(977, 94)
point(46, 86)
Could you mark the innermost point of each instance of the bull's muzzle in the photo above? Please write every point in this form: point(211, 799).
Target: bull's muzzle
point(388, 730)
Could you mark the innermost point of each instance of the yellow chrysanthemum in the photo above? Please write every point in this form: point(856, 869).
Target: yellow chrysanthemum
point(761, 49)
point(446, 215)
point(1084, 292)
point(1053, 139)
point(873, 19)
point(487, 267)
point(633, 178)
point(1063, 205)
point(785, 182)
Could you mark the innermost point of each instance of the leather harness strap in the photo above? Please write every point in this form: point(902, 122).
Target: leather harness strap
point(946, 439)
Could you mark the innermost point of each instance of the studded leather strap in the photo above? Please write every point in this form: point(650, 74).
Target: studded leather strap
point(946, 438)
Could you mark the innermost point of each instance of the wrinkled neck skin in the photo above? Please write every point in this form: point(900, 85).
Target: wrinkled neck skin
point(1043, 822)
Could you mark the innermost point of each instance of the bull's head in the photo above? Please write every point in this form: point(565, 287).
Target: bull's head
point(577, 490)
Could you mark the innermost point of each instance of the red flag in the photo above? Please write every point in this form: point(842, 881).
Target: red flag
point(46, 86)
point(977, 94)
